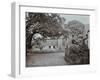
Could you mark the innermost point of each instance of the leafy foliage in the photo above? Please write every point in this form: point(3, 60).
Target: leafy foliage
point(78, 52)
point(75, 27)
point(47, 24)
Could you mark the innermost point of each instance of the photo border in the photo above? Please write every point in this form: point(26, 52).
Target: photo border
point(16, 44)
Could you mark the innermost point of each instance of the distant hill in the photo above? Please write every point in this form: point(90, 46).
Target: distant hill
point(74, 23)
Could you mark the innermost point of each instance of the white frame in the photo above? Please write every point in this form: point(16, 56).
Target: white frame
point(18, 68)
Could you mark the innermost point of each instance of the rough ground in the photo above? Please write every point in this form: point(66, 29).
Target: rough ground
point(45, 59)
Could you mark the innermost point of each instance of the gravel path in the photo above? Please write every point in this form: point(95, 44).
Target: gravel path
point(46, 59)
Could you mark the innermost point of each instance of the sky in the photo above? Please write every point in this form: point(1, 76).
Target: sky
point(82, 18)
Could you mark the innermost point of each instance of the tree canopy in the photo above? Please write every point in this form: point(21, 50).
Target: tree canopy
point(75, 27)
point(47, 24)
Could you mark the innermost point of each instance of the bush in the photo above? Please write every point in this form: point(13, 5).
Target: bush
point(78, 54)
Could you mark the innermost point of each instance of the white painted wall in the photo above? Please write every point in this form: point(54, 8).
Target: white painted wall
point(5, 39)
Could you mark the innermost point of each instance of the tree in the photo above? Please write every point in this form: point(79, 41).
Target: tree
point(75, 27)
point(47, 24)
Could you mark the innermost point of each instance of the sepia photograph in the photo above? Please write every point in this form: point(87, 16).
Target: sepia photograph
point(55, 39)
